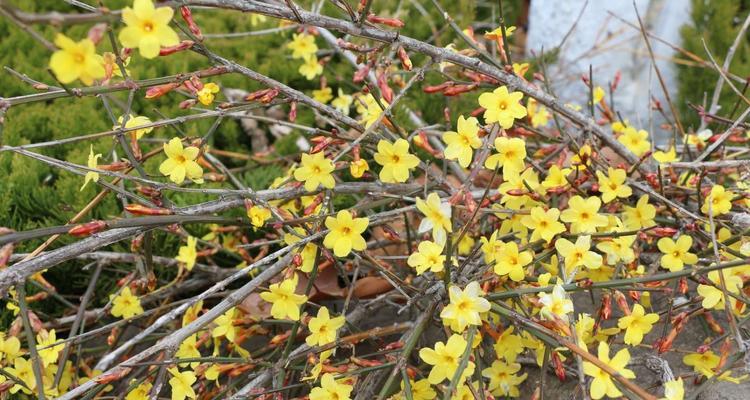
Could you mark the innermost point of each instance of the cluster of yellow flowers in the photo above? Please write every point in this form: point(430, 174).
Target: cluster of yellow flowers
point(548, 226)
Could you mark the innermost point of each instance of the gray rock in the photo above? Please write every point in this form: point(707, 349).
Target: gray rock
point(726, 391)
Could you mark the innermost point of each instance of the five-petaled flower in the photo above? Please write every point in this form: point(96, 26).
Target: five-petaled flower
point(207, 93)
point(461, 144)
point(602, 383)
point(147, 28)
point(329, 389)
point(323, 328)
point(315, 171)
point(180, 162)
point(718, 201)
point(583, 214)
point(187, 254)
point(302, 45)
point(613, 184)
point(579, 253)
point(464, 307)
point(182, 384)
point(76, 61)
point(502, 106)
point(437, 216)
point(556, 304)
point(676, 253)
point(543, 224)
point(511, 262)
point(345, 233)
point(284, 299)
point(429, 256)
point(445, 359)
point(126, 305)
point(637, 324)
point(396, 160)
point(510, 155)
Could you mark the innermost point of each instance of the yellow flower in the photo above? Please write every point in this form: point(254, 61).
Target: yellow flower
point(182, 384)
point(10, 348)
point(91, 163)
point(613, 186)
point(619, 127)
point(76, 61)
point(342, 102)
point(585, 330)
point(538, 114)
point(580, 160)
point(618, 249)
point(310, 68)
point(345, 233)
point(492, 247)
point(134, 122)
point(189, 349)
point(543, 224)
point(602, 383)
point(445, 358)
point(510, 262)
point(676, 254)
point(323, 328)
point(323, 95)
point(598, 94)
point(396, 160)
point(140, 392)
point(187, 254)
point(225, 324)
point(359, 167)
point(464, 307)
point(180, 162)
point(637, 324)
point(427, 257)
point(511, 153)
point(284, 299)
point(520, 69)
point(315, 171)
point(465, 246)
point(635, 141)
point(23, 371)
point(674, 390)
point(702, 363)
point(666, 157)
point(420, 390)
point(302, 45)
point(578, 254)
point(437, 216)
point(212, 373)
point(45, 339)
point(640, 216)
point(503, 378)
point(207, 93)
point(556, 304)
point(713, 297)
point(502, 107)
point(307, 253)
point(720, 200)
point(330, 389)
point(556, 177)
point(461, 144)
point(258, 215)
point(508, 346)
point(147, 28)
point(126, 305)
point(370, 109)
point(583, 215)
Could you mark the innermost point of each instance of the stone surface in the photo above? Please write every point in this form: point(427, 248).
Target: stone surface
point(726, 391)
point(609, 45)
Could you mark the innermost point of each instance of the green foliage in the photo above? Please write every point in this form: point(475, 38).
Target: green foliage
point(717, 22)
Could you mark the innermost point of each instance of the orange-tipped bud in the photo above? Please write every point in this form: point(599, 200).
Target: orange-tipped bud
point(663, 232)
point(87, 228)
point(112, 376)
point(139, 209)
point(405, 60)
point(365, 363)
point(622, 302)
point(392, 22)
point(438, 88)
point(182, 46)
point(161, 90)
point(386, 90)
point(459, 89)
point(188, 17)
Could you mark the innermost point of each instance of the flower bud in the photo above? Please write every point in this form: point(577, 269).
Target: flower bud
point(161, 90)
point(392, 22)
point(184, 45)
point(87, 228)
point(187, 15)
point(139, 209)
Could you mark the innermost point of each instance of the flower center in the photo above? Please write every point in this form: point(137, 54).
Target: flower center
point(503, 105)
point(148, 26)
point(585, 215)
point(395, 159)
point(79, 58)
point(181, 159)
point(676, 254)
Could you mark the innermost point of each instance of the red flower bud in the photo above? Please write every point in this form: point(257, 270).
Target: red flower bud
point(184, 45)
point(293, 112)
point(87, 228)
point(96, 33)
point(188, 17)
point(393, 22)
point(459, 89)
point(161, 90)
point(139, 209)
point(361, 73)
point(384, 88)
point(405, 60)
point(438, 88)
point(663, 232)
